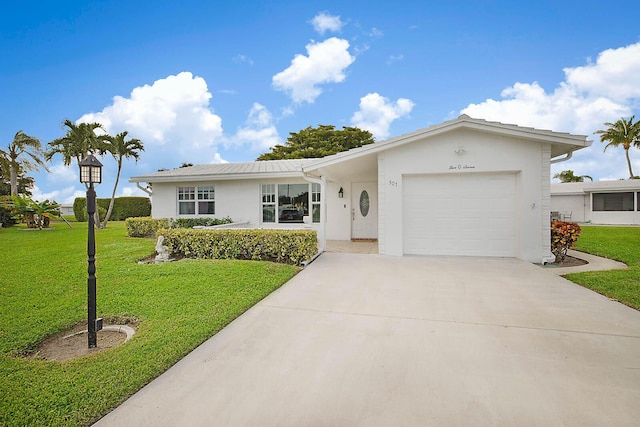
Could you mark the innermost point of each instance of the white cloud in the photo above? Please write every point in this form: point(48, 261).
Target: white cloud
point(615, 75)
point(324, 22)
point(65, 195)
point(394, 58)
point(375, 33)
point(63, 174)
point(173, 110)
point(590, 95)
point(239, 59)
point(326, 63)
point(259, 130)
point(377, 113)
point(132, 191)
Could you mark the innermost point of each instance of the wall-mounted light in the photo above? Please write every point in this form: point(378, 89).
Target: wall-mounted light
point(340, 193)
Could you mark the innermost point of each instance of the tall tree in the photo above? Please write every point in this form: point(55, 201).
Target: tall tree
point(25, 184)
point(319, 142)
point(23, 154)
point(623, 133)
point(121, 148)
point(570, 176)
point(79, 140)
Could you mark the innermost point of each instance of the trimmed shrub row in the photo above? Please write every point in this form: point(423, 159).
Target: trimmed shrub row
point(284, 246)
point(123, 208)
point(147, 226)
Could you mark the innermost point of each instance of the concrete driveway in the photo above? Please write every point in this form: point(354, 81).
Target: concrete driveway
point(371, 340)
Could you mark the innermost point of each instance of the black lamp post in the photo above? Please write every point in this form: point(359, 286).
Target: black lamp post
point(91, 173)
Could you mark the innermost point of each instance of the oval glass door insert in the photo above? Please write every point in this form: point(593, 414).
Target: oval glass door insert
point(364, 203)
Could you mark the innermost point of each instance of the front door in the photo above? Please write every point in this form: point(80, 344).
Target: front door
point(364, 210)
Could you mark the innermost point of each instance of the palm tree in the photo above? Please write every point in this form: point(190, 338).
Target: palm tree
point(77, 143)
point(623, 132)
point(570, 176)
point(121, 148)
point(23, 154)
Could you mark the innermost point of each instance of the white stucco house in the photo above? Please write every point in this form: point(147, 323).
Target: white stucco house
point(465, 187)
point(602, 202)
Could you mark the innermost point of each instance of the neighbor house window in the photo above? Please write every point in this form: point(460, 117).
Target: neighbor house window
point(289, 203)
point(612, 202)
point(206, 203)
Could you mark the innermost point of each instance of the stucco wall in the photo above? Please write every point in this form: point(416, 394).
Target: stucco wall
point(481, 152)
point(237, 199)
point(577, 204)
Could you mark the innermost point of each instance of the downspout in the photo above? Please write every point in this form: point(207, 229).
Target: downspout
point(143, 189)
point(322, 243)
point(563, 159)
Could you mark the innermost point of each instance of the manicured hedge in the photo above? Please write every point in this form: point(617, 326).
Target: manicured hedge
point(123, 208)
point(147, 226)
point(284, 246)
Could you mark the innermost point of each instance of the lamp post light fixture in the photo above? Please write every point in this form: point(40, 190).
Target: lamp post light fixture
point(340, 193)
point(91, 173)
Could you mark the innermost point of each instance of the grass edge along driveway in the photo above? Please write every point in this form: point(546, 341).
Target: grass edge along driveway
point(43, 291)
point(618, 243)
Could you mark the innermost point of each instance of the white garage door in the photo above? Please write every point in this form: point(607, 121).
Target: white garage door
point(460, 214)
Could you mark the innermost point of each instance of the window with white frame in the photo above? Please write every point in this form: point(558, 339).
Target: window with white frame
point(186, 200)
point(204, 204)
point(315, 202)
point(268, 203)
point(289, 203)
point(206, 200)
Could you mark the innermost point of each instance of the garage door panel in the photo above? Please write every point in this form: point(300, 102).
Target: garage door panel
point(465, 214)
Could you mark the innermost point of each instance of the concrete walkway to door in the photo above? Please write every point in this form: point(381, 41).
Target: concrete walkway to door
point(371, 340)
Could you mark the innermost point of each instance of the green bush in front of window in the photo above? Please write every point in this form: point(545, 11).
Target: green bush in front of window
point(284, 246)
point(147, 226)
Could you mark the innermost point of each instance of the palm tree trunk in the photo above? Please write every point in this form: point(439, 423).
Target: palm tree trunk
point(113, 196)
point(14, 180)
point(631, 175)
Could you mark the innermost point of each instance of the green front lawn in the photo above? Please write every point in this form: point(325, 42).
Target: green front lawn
point(619, 243)
point(178, 305)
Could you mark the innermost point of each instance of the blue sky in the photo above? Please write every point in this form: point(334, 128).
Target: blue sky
point(204, 81)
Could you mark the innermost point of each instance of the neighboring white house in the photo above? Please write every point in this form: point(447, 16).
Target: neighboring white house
point(463, 187)
point(602, 202)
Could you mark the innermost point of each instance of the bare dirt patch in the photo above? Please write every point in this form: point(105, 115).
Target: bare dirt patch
point(73, 343)
point(570, 261)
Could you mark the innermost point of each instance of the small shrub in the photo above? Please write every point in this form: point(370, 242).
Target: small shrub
point(199, 222)
point(563, 236)
point(6, 218)
point(145, 227)
point(284, 246)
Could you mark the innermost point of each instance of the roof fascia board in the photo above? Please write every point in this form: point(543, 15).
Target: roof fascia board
point(577, 141)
